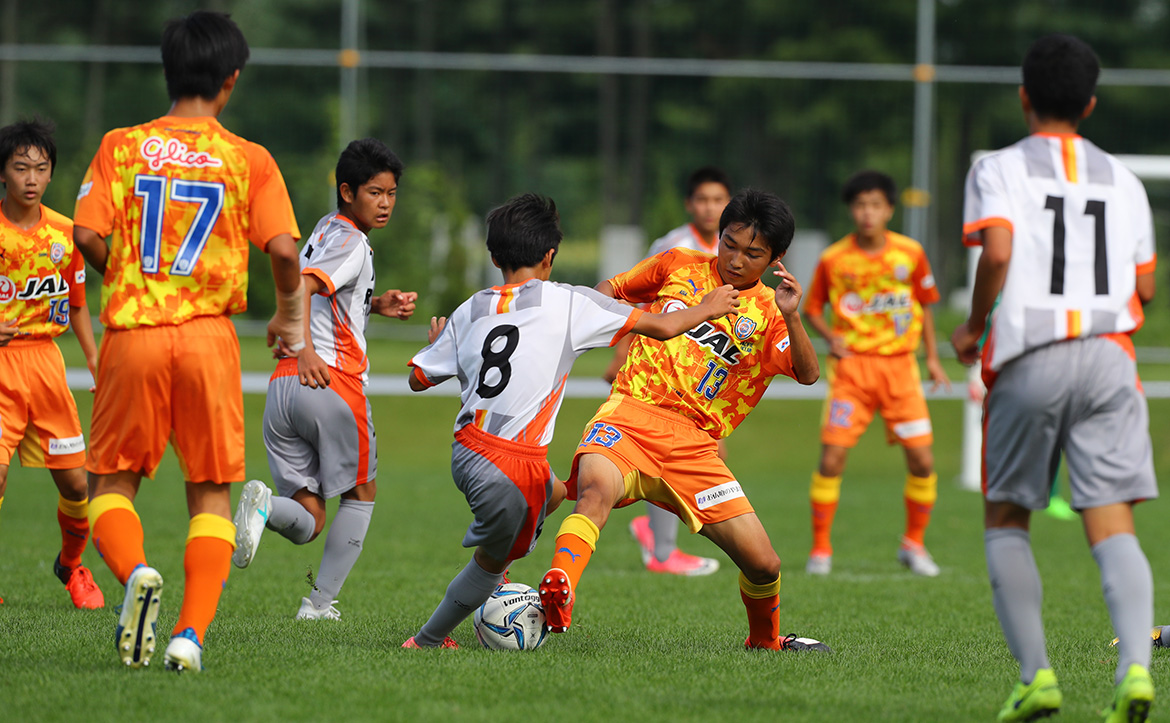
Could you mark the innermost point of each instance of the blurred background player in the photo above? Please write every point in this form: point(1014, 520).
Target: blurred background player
point(1067, 236)
point(179, 198)
point(42, 292)
point(498, 343)
point(879, 287)
point(318, 428)
point(707, 193)
point(654, 438)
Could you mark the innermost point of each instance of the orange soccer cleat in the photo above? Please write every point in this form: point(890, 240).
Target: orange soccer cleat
point(556, 595)
point(84, 592)
point(448, 642)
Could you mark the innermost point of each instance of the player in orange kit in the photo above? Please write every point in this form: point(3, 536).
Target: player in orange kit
point(179, 199)
point(879, 287)
point(42, 293)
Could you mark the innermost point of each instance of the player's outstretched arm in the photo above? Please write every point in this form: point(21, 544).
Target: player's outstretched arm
point(82, 327)
point(719, 303)
point(989, 278)
point(805, 366)
point(395, 304)
point(288, 322)
point(92, 246)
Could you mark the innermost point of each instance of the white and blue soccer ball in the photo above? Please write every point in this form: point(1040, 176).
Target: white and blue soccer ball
point(511, 619)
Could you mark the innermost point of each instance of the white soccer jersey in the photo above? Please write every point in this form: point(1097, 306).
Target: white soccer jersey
point(686, 237)
point(339, 255)
point(512, 347)
point(1081, 233)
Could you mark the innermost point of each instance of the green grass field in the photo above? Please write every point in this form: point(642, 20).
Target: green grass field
point(642, 647)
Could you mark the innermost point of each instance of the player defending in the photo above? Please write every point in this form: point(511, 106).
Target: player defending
point(708, 191)
point(318, 428)
point(654, 439)
point(879, 287)
point(497, 343)
point(1065, 230)
point(42, 291)
point(179, 198)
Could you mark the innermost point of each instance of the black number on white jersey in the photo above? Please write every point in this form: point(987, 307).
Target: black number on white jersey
point(1096, 209)
point(493, 359)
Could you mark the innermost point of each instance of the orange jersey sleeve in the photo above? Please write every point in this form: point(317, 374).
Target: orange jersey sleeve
point(41, 275)
point(818, 292)
point(178, 200)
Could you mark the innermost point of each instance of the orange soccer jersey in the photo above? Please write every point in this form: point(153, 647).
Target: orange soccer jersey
point(876, 297)
point(41, 275)
point(179, 200)
point(715, 373)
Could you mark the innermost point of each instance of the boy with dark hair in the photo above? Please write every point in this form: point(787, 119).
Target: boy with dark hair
point(497, 343)
point(654, 439)
point(1067, 237)
point(42, 293)
point(179, 198)
point(318, 428)
point(879, 287)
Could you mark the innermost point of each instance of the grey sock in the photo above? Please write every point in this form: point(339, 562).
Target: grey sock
point(1128, 585)
point(664, 525)
point(470, 589)
point(343, 546)
point(288, 518)
point(1018, 595)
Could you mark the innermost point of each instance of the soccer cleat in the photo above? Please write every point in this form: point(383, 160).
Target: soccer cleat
point(448, 642)
point(84, 592)
point(251, 516)
point(1132, 697)
point(556, 596)
point(791, 642)
point(915, 557)
point(309, 611)
point(680, 563)
point(640, 529)
point(819, 564)
point(1038, 699)
point(184, 653)
point(135, 634)
point(1059, 508)
point(1156, 638)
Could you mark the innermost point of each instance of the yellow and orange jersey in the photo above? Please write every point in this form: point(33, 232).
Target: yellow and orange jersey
point(41, 275)
point(178, 200)
point(715, 373)
point(876, 296)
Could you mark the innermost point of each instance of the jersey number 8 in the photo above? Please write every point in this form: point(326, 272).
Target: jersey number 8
point(497, 359)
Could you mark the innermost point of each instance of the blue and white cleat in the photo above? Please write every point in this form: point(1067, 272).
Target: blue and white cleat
point(184, 653)
point(251, 516)
point(135, 635)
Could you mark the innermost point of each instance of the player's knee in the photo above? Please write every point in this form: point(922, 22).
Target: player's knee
point(763, 568)
point(833, 461)
point(920, 461)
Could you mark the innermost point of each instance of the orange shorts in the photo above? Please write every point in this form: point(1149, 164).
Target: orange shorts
point(180, 383)
point(861, 384)
point(665, 459)
point(38, 417)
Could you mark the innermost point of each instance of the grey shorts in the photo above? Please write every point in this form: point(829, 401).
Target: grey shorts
point(1079, 397)
point(321, 440)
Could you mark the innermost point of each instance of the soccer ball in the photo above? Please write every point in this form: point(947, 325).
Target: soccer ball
point(511, 619)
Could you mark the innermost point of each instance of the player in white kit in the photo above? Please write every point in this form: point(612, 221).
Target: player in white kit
point(511, 347)
point(1067, 235)
point(318, 428)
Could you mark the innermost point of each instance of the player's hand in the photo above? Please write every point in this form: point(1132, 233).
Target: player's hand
point(7, 332)
point(788, 291)
point(720, 302)
point(396, 304)
point(283, 335)
point(966, 343)
point(312, 369)
point(938, 375)
point(838, 347)
point(92, 364)
point(437, 326)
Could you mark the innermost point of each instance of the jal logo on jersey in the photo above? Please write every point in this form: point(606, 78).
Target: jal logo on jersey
point(160, 152)
point(34, 288)
point(852, 304)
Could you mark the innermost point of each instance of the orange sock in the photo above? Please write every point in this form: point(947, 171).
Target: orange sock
point(920, 494)
point(117, 534)
point(206, 565)
point(763, 612)
point(73, 519)
point(824, 493)
point(575, 543)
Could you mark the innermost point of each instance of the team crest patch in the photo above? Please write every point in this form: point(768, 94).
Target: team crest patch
point(7, 290)
point(744, 328)
point(901, 272)
point(56, 253)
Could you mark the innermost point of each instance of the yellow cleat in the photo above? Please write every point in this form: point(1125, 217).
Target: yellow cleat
point(1132, 698)
point(1038, 699)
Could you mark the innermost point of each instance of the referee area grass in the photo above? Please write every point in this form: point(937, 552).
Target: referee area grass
point(642, 646)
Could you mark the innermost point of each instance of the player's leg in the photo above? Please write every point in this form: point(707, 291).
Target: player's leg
point(824, 494)
point(467, 591)
point(343, 547)
point(919, 495)
point(73, 519)
point(657, 535)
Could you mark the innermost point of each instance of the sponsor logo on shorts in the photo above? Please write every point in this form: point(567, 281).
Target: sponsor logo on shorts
point(744, 328)
point(7, 290)
point(84, 190)
point(909, 430)
point(718, 495)
point(68, 445)
point(56, 252)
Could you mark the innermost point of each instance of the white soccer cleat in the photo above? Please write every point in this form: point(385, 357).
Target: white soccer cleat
point(135, 635)
point(251, 516)
point(184, 653)
point(819, 564)
point(916, 558)
point(309, 611)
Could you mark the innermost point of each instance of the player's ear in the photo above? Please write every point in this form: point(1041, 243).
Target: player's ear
point(1088, 111)
point(547, 261)
point(496, 263)
point(229, 83)
point(346, 192)
point(1025, 101)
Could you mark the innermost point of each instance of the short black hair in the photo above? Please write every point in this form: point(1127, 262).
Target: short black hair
point(766, 213)
point(199, 52)
point(523, 230)
point(863, 181)
point(25, 134)
point(362, 160)
point(1060, 76)
point(707, 174)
